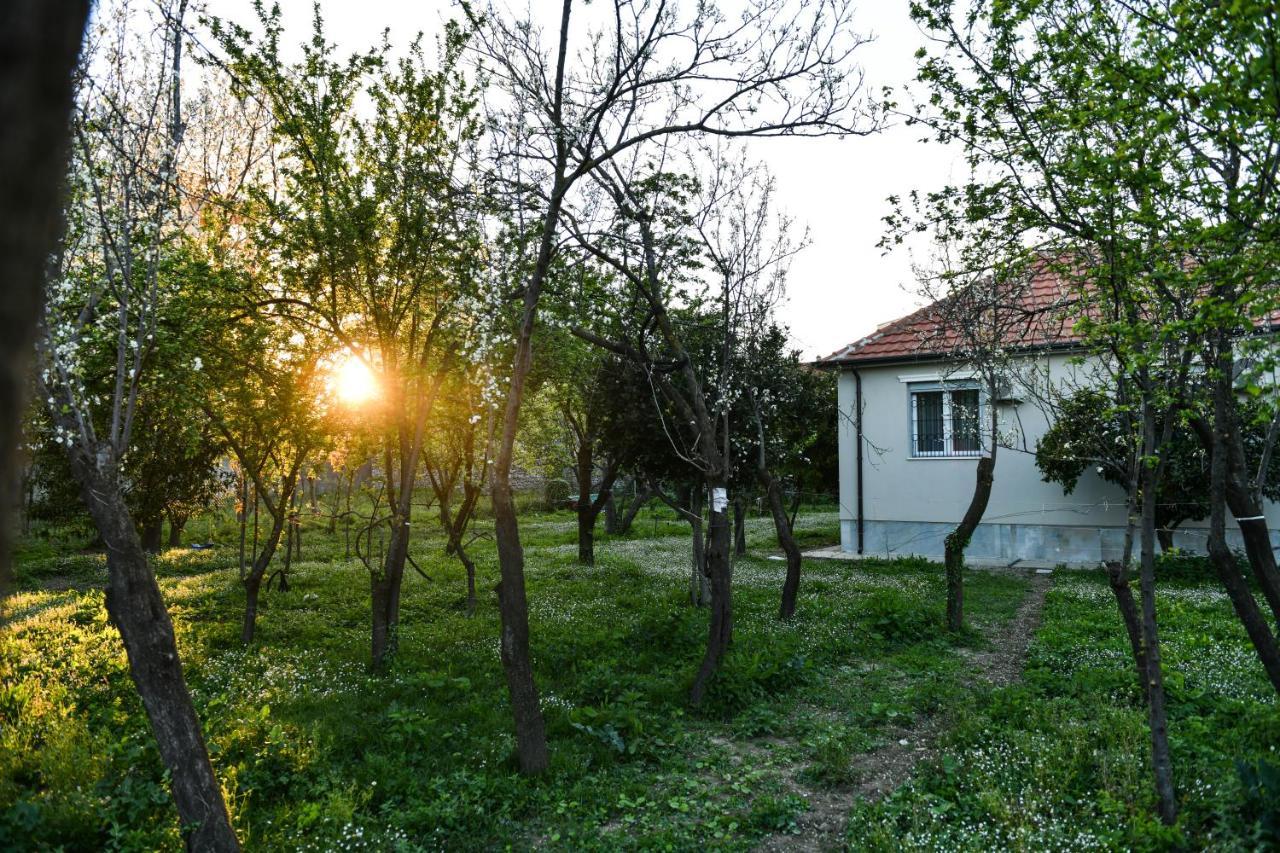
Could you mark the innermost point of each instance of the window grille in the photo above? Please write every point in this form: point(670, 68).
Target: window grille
point(945, 421)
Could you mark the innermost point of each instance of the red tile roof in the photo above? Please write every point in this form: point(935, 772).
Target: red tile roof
point(1043, 320)
point(926, 334)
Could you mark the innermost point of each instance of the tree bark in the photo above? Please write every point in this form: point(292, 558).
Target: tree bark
point(637, 503)
point(1220, 555)
point(958, 540)
point(176, 525)
point(1161, 762)
point(39, 45)
point(137, 609)
point(252, 580)
point(739, 527)
point(781, 521)
point(699, 584)
point(719, 571)
point(786, 540)
point(1118, 577)
point(384, 594)
point(586, 517)
point(1245, 504)
point(152, 533)
point(611, 515)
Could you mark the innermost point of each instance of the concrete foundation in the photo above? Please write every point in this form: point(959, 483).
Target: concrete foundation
point(1006, 543)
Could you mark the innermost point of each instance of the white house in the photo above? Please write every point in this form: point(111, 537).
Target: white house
point(908, 454)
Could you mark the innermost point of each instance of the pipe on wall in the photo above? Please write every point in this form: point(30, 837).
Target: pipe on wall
point(857, 420)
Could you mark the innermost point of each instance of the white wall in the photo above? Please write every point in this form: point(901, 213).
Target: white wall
point(901, 488)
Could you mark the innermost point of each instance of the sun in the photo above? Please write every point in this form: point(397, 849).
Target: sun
point(352, 380)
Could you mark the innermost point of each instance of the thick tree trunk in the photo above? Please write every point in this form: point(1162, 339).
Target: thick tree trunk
point(720, 573)
point(39, 43)
point(1165, 536)
point(531, 737)
point(958, 540)
point(385, 599)
point(176, 525)
point(739, 527)
point(137, 609)
point(1161, 762)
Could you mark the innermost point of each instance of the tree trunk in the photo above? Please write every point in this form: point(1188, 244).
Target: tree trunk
point(787, 541)
point(611, 515)
point(244, 518)
point(1118, 577)
point(470, 565)
point(252, 588)
point(739, 527)
point(137, 609)
point(720, 572)
point(1220, 556)
point(252, 581)
point(958, 540)
point(1161, 762)
point(39, 43)
point(1245, 504)
point(152, 534)
point(385, 598)
point(176, 525)
point(513, 607)
point(1165, 536)
point(586, 515)
point(638, 502)
point(699, 586)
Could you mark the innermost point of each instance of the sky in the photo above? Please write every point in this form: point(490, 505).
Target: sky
point(842, 286)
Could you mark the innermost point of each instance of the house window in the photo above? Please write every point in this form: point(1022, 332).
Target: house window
point(945, 420)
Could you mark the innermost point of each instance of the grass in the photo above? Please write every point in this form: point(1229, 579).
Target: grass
point(316, 753)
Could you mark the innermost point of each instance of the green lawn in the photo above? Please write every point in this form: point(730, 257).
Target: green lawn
point(316, 753)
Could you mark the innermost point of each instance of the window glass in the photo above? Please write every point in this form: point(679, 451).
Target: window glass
point(964, 421)
point(930, 424)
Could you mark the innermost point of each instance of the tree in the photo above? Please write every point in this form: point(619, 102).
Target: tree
point(373, 230)
point(649, 72)
point(748, 249)
point(590, 407)
point(987, 311)
point(121, 218)
point(457, 459)
point(1101, 190)
point(40, 41)
point(264, 395)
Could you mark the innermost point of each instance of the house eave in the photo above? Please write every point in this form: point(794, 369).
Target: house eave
point(934, 358)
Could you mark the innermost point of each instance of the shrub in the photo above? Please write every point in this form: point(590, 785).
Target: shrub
point(899, 619)
point(555, 494)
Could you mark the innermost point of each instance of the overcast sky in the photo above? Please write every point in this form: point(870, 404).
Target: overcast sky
point(842, 286)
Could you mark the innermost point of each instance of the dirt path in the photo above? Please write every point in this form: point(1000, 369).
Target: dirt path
point(885, 768)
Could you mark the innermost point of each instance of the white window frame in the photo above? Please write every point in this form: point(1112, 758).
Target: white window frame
point(948, 434)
